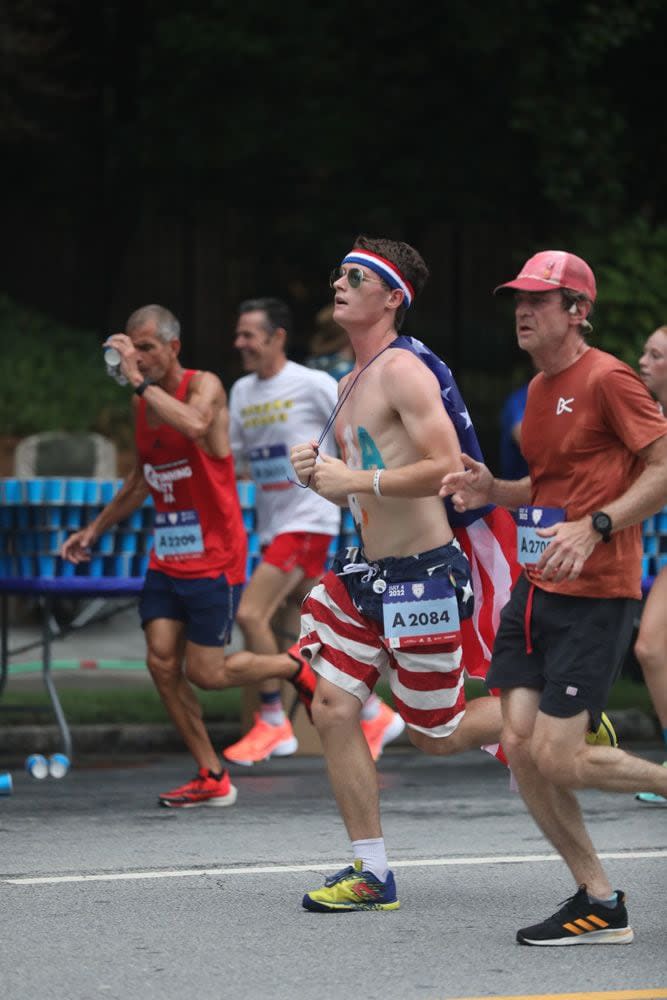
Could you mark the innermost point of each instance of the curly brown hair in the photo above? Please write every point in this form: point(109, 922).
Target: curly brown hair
point(408, 261)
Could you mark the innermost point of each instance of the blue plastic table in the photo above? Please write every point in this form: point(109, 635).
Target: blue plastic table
point(48, 589)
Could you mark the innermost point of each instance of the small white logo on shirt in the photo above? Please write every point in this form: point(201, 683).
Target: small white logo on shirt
point(563, 405)
point(572, 691)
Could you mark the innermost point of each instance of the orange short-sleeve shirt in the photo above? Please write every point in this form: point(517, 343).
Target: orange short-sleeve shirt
point(581, 434)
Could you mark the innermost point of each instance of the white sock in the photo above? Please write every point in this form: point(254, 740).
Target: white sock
point(373, 856)
point(274, 713)
point(371, 707)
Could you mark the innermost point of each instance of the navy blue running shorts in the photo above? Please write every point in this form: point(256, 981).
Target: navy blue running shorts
point(578, 648)
point(447, 562)
point(206, 605)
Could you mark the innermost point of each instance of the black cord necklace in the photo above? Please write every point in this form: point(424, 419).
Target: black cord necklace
point(339, 405)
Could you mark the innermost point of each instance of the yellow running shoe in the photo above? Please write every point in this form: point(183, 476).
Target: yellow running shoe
point(353, 889)
point(604, 735)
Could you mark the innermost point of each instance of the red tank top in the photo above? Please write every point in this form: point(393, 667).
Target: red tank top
point(198, 529)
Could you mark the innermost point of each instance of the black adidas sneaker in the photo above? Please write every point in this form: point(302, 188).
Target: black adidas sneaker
point(581, 922)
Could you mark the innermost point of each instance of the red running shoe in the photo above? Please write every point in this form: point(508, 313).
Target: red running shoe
point(204, 790)
point(304, 679)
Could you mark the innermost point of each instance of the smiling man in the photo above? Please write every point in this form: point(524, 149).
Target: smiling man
point(596, 449)
point(197, 565)
point(271, 407)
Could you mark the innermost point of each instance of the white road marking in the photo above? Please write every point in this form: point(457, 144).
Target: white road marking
point(507, 859)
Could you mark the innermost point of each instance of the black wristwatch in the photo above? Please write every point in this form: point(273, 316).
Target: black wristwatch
point(602, 524)
point(141, 388)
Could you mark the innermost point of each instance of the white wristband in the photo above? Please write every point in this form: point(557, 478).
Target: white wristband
point(376, 482)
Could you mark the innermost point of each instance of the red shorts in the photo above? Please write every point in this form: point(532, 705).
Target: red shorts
point(306, 549)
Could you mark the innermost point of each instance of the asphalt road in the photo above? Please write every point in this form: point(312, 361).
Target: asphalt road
point(104, 894)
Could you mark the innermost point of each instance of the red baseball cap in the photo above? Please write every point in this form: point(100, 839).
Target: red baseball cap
point(550, 269)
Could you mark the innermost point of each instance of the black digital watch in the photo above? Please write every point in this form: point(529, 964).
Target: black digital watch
point(602, 524)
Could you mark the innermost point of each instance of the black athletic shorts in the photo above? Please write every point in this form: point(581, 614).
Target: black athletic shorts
point(578, 646)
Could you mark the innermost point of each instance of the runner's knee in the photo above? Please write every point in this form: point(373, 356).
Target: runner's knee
point(163, 668)
point(556, 766)
point(517, 746)
point(249, 617)
point(206, 676)
point(647, 653)
point(335, 709)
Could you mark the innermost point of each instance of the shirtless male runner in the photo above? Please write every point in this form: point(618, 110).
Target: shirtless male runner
point(395, 607)
point(276, 404)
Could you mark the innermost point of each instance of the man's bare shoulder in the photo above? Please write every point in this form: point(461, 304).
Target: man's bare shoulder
point(208, 385)
point(401, 365)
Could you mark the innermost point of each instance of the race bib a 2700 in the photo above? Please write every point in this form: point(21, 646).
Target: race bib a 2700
point(529, 544)
point(421, 614)
point(178, 534)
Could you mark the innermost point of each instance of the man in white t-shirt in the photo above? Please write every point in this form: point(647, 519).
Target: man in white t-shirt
point(276, 405)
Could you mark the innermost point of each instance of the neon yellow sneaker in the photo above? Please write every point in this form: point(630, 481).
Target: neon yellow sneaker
point(604, 735)
point(353, 889)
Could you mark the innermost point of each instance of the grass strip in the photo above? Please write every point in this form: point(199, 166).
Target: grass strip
point(83, 665)
point(138, 701)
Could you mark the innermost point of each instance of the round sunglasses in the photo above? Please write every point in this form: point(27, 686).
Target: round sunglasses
point(355, 276)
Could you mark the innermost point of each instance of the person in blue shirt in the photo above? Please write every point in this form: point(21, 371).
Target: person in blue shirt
point(512, 463)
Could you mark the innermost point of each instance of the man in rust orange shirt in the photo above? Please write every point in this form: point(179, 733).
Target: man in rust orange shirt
point(596, 449)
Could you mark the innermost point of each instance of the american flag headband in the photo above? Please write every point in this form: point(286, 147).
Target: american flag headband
point(385, 269)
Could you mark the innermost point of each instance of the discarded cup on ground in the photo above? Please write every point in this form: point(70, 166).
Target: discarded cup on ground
point(37, 766)
point(59, 765)
point(5, 783)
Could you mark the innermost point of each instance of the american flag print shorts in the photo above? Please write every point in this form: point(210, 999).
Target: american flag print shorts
point(342, 636)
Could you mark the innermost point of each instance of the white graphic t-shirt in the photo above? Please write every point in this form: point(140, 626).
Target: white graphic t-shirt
point(267, 417)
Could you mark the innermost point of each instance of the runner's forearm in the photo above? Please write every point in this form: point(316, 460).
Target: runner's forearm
point(511, 493)
point(131, 495)
point(420, 479)
point(648, 493)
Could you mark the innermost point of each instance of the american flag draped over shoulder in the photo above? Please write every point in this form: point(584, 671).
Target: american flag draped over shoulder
point(486, 535)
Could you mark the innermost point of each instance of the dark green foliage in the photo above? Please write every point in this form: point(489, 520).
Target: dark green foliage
point(53, 378)
point(257, 139)
point(630, 263)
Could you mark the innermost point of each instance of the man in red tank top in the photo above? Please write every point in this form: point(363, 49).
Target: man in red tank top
point(197, 564)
